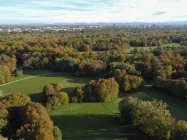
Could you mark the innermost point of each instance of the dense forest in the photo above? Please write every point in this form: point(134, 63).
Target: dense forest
point(124, 58)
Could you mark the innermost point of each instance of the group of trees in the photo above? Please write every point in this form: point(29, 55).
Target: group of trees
point(101, 90)
point(22, 119)
point(54, 96)
point(101, 51)
point(153, 118)
point(7, 66)
point(89, 53)
point(175, 87)
point(127, 82)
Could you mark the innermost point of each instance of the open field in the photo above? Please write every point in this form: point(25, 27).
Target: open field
point(149, 48)
point(33, 85)
point(90, 120)
point(93, 121)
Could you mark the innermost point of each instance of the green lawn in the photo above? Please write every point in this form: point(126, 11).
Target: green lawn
point(149, 48)
point(33, 86)
point(90, 120)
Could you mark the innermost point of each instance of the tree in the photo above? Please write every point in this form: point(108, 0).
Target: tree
point(48, 90)
point(59, 99)
point(179, 131)
point(102, 90)
point(152, 117)
point(129, 82)
point(157, 126)
point(79, 94)
point(57, 133)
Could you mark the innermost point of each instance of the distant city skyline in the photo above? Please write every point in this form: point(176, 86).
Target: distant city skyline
point(88, 11)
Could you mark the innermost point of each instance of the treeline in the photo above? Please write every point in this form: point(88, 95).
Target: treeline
point(153, 118)
point(22, 119)
point(7, 66)
point(175, 87)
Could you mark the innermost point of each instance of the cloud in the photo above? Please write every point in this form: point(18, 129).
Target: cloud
point(47, 11)
point(158, 13)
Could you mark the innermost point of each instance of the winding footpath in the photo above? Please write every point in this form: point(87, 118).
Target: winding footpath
point(25, 78)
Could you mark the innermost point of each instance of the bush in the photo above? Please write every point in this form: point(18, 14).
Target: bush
point(101, 90)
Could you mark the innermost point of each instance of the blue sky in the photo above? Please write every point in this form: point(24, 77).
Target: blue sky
point(70, 11)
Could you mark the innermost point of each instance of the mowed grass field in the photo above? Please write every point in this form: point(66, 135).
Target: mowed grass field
point(93, 121)
point(33, 85)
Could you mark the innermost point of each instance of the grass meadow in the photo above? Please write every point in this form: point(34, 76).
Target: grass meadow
point(95, 121)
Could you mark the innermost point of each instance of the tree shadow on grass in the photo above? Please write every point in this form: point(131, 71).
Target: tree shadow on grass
point(95, 127)
point(36, 97)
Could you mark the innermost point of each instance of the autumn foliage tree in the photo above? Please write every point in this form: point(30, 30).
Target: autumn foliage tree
point(129, 82)
point(101, 90)
point(54, 97)
point(22, 119)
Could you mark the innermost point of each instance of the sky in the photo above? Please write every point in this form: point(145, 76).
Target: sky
point(76, 11)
